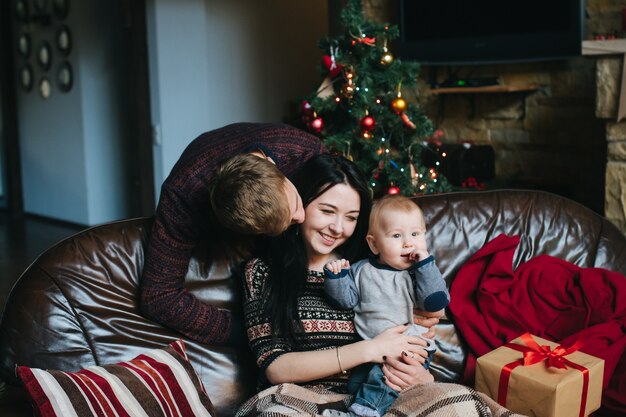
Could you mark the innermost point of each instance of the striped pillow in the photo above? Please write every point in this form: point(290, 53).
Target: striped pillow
point(161, 382)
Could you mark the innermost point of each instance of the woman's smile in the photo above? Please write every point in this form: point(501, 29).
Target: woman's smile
point(328, 239)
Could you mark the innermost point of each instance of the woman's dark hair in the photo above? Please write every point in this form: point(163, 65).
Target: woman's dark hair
point(287, 254)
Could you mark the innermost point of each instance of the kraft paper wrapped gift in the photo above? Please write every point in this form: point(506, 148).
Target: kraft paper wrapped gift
point(539, 389)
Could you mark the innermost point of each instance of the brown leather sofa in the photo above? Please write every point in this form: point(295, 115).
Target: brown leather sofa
point(76, 305)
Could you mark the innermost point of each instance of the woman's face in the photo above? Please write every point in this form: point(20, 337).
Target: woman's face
point(329, 221)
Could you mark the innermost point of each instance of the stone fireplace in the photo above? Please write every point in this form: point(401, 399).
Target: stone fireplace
point(611, 109)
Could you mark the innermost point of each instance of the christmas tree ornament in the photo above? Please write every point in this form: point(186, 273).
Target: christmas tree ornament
point(386, 59)
point(329, 62)
point(368, 123)
point(398, 105)
point(317, 124)
point(306, 107)
point(407, 121)
point(393, 190)
point(369, 41)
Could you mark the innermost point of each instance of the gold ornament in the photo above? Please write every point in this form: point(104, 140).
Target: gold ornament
point(398, 105)
point(386, 59)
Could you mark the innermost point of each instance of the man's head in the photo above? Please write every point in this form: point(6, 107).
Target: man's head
point(396, 231)
point(250, 195)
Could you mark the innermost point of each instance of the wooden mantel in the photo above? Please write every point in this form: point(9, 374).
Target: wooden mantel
point(611, 47)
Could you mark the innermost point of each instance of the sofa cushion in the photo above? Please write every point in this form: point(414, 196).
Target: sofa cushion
point(159, 382)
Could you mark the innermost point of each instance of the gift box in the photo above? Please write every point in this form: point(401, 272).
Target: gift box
point(536, 377)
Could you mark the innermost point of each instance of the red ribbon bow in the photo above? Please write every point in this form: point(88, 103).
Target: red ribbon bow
point(366, 40)
point(534, 353)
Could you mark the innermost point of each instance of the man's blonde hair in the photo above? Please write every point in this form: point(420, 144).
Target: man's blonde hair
point(247, 195)
point(390, 203)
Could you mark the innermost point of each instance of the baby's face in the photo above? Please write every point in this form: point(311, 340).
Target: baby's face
point(398, 235)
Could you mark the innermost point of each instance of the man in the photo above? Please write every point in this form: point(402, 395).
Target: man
point(229, 185)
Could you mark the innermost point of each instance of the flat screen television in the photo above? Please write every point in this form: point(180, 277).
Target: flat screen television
point(442, 32)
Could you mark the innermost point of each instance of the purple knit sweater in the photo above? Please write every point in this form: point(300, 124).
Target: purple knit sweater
point(182, 222)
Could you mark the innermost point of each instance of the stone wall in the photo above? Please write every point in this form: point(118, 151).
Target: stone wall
point(548, 138)
point(609, 73)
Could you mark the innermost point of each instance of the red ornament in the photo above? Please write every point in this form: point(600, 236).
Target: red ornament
point(306, 107)
point(317, 124)
point(368, 123)
point(332, 67)
point(393, 190)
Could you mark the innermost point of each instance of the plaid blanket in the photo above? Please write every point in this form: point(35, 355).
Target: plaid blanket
point(432, 400)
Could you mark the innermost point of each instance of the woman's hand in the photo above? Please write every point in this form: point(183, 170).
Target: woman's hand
point(392, 343)
point(401, 374)
point(427, 319)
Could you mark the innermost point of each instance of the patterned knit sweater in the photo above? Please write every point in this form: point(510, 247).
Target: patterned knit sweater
point(325, 326)
point(183, 221)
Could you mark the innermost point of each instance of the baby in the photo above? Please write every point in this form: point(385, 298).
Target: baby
point(384, 290)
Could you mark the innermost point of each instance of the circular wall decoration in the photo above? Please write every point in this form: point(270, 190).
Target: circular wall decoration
point(26, 78)
point(64, 40)
point(61, 8)
point(44, 55)
point(21, 10)
point(45, 89)
point(24, 45)
point(65, 77)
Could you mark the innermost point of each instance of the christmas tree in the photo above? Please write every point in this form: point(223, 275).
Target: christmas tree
point(359, 110)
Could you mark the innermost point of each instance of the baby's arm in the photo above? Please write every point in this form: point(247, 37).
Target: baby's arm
point(430, 288)
point(339, 284)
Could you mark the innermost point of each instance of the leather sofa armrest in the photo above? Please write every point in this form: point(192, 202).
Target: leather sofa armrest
point(14, 401)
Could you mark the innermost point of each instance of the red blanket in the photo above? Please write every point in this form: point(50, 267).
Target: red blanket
point(548, 297)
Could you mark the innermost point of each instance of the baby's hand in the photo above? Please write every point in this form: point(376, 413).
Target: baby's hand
point(336, 266)
point(418, 254)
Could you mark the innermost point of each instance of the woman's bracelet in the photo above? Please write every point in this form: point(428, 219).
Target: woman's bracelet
point(343, 371)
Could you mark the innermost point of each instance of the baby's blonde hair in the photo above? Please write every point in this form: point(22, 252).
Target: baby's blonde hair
point(390, 203)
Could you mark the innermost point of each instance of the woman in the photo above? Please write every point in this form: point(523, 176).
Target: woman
point(296, 335)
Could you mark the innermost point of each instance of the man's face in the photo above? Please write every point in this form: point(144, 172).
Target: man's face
point(296, 207)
